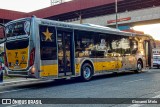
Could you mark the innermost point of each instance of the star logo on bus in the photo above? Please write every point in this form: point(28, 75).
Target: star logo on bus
point(47, 35)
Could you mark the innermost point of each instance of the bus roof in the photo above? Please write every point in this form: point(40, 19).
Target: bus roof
point(86, 27)
point(13, 21)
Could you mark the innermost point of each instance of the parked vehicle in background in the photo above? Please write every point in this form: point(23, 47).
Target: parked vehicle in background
point(156, 57)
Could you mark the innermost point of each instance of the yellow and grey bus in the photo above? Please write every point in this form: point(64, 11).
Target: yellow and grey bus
point(41, 48)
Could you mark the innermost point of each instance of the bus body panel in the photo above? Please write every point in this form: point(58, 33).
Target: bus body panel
point(17, 59)
point(49, 70)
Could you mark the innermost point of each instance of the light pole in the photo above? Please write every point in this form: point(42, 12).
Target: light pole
point(80, 17)
point(116, 11)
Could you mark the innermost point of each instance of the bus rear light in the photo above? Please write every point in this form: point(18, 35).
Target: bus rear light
point(32, 55)
point(5, 60)
point(33, 70)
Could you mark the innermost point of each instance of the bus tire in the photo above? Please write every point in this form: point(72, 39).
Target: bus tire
point(86, 72)
point(139, 67)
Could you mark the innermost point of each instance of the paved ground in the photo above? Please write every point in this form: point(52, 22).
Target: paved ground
point(124, 85)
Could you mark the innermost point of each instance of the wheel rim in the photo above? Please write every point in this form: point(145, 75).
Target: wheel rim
point(139, 66)
point(87, 72)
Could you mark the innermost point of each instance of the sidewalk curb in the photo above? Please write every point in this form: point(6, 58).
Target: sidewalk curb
point(23, 81)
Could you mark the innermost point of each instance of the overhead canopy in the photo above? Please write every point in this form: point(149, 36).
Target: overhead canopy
point(87, 8)
point(75, 5)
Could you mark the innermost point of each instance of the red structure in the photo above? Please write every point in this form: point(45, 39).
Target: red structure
point(72, 10)
point(134, 31)
point(7, 15)
point(72, 6)
point(61, 9)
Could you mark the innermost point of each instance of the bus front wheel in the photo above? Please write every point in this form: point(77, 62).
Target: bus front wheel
point(86, 72)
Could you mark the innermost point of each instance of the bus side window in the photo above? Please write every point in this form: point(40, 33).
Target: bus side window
point(48, 44)
point(83, 43)
point(134, 46)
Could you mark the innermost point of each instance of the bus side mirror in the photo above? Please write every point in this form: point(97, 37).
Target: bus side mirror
point(2, 34)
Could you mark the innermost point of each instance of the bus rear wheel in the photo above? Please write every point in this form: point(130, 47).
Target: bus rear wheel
point(139, 67)
point(86, 72)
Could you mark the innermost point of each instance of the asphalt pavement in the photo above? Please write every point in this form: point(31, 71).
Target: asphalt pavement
point(122, 85)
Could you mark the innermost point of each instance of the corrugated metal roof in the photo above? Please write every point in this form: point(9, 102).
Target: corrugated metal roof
point(89, 8)
point(65, 7)
point(71, 6)
point(11, 15)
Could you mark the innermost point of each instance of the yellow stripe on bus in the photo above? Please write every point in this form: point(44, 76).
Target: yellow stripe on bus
point(77, 68)
point(49, 70)
point(100, 66)
point(52, 70)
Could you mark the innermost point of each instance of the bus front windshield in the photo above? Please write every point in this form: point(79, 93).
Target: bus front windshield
point(18, 29)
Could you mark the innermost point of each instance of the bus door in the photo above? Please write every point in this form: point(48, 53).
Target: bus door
point(65, 52)
point(48, 51)
point(147, 52)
